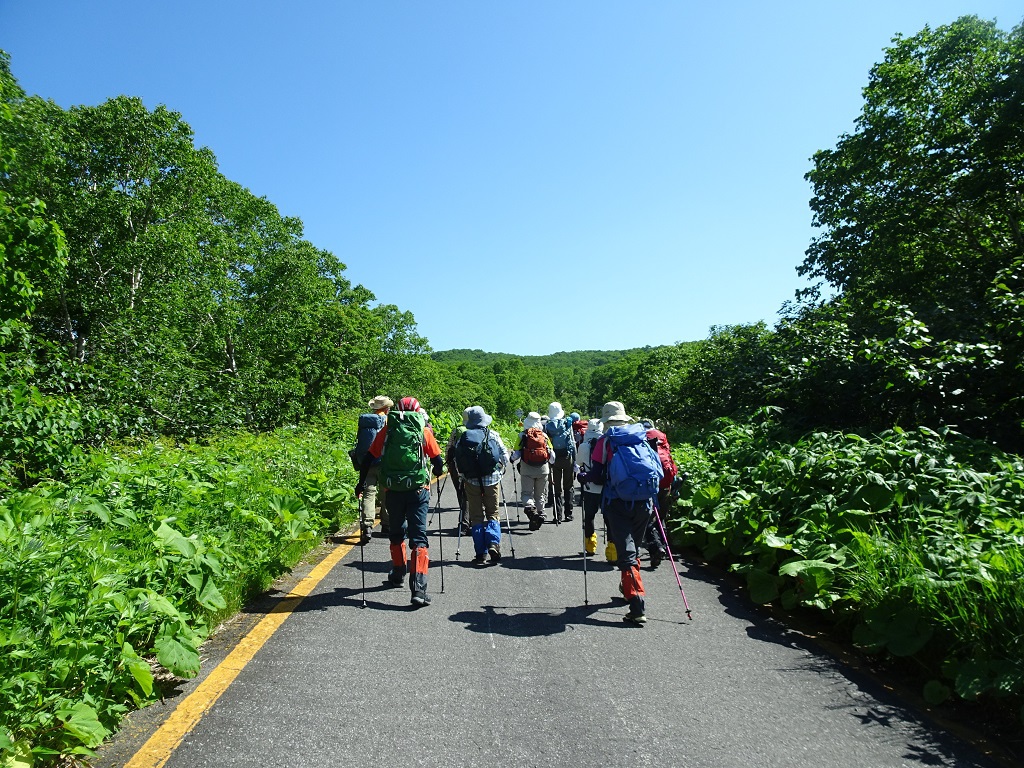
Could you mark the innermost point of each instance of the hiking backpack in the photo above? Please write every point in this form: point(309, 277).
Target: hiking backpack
point(634, 470)
point(449, 451)
point(477, 453)
point(579, 428)
point(403, 462)
point(534, 447)
point(659, 442)
point(560, 431)
point(368, 426)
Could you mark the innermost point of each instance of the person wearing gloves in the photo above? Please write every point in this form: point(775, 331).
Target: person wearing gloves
point(535, 455)
point(591, 492)
point(481, 457)
point(407, 451)
point(559, 430)
point(626, 520)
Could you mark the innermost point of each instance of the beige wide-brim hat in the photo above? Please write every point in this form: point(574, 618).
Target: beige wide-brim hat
point(380, 402)
point(532, 420)
point(594, 429)
point(555, 411)
point(613, 414)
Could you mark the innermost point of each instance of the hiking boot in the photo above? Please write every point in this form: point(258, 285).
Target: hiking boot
point(568, 516)
point(420, 598)
point(480, 559)
point(657, 556)
point(396, 576)
point(494, 552)
point(466, 530)
point(591, 544)
point(610, 553)
point(636, 618)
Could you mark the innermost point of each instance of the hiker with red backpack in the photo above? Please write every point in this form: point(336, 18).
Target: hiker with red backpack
point(408, 452)
point(630, 471)
point(591, 492)
point(559, 429)
point(653, 542)
point(579, 428)
point(481, 457)
point(535, 454)
point(371, 503)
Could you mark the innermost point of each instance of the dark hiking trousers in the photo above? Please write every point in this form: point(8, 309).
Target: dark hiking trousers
point(562, 479)
point(627, 523)
point(408, 513)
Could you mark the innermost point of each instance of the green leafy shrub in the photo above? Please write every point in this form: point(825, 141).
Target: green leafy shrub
point(127, 568)
point(911, 539)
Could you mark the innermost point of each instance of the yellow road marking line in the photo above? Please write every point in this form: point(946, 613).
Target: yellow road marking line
point(157, 750)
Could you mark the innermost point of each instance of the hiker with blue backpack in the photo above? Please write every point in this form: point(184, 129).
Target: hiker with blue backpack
point(559, 430)
point(627, 466)
point(371, 503)
point(408, 452)
point(481, 458)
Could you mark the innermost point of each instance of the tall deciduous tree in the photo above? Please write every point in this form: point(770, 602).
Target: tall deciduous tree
point(923, 203)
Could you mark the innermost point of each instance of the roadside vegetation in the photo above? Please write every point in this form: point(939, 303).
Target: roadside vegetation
point(180, 374)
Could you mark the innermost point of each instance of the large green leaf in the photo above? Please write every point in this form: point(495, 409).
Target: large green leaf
point(139, 669)
point(206, 591)
point(936, 693)
point(82, 722)
point(181, 659)
point(763, 586)
point(797, 567)
point(19, 755)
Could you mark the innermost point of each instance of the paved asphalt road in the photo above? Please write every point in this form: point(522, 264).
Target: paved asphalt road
point(509, 667)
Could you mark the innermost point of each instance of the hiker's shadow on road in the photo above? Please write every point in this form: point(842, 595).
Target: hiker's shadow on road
point(529, 621)
point(572, 562)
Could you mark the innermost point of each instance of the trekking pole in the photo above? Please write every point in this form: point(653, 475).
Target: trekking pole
point(508, 525)
point(586, 594)
point(671, 557)
point(554, 501)
point(440, 538)
point(515, 490)
point(362, 565)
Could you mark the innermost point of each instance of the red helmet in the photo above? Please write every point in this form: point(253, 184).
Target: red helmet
point(408, 404)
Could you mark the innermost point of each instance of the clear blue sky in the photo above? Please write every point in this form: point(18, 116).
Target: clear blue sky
point(500, 169)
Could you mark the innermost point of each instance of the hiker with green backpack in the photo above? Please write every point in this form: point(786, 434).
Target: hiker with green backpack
point(629, 469)
point(408, 452)
point(481, 457)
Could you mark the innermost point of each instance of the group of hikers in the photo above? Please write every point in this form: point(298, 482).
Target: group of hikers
point(624, 469)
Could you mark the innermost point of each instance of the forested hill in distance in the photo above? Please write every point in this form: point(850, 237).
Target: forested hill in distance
point(581, 380)
point(587, 358)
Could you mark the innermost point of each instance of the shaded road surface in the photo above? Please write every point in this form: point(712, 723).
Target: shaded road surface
point(509, 667)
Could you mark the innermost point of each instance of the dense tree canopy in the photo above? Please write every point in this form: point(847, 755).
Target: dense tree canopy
point(929, 185)
point(185, 303)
